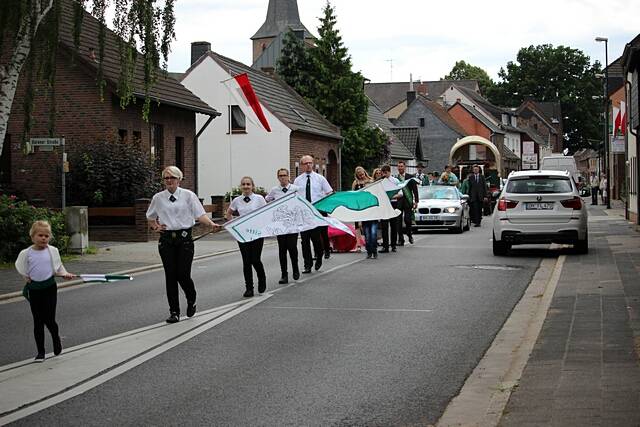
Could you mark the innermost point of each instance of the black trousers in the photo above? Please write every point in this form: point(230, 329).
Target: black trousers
point(404, 223)
point(385, 224)
point(176, 252)
point(43, 308)
point(475, 211)
point(288, 243)
point(594, 195)
point(251, 259)
point(308, 237)
point(324, 238)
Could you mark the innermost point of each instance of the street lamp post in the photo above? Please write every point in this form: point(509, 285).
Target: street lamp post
point(606, 117)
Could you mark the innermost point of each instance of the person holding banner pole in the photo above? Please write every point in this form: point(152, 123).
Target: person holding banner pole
point(315, 187)
point(251, 251)
point(392, 223)
point(173, 213)
point(286, 242)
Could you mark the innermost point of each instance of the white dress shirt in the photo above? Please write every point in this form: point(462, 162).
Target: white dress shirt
point(279, 192)
point(319, 186)
point(179, 214)
point(256, 201)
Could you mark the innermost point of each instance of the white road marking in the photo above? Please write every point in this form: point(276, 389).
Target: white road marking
point(408, 310)
point(28, 387)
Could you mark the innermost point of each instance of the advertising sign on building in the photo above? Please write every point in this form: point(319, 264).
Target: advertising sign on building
point(617, 144)
point(529, 161)
point(528, 147)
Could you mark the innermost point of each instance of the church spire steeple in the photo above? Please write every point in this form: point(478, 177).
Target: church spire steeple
point(281, 15)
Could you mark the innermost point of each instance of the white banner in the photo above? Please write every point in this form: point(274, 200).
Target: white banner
point(290, 214)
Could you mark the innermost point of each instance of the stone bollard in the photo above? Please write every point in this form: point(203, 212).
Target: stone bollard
point(77, 222)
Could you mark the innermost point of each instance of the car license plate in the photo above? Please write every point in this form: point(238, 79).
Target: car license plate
point(539, 206)
point(430, 217)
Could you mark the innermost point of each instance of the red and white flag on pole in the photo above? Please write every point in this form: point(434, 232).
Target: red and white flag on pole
point(240, 88)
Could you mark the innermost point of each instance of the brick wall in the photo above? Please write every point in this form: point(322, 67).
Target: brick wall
point(468, 122)
point(322, 149)
point(81, 116)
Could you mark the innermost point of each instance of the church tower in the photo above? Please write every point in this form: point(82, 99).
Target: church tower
point(282, 15)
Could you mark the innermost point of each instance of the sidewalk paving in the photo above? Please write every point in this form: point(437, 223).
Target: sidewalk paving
point(584, 369)
point(119, 257)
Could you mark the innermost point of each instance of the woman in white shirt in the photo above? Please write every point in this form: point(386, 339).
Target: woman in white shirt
point(251, 251)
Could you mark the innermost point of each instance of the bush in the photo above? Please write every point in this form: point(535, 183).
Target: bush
point(16, 218)
point(110, 173)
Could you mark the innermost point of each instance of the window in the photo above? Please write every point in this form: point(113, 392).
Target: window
point(297, 167)
point(421, 122)
point(543, 184)
point(237, 122)
point(180, 152)
point(122, 135)
point(137, 137)
point(157, 143)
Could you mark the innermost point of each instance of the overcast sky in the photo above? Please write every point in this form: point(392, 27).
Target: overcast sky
point(425, 38)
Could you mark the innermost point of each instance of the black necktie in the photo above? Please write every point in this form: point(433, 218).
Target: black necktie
point(308, 189)
point(247, 199)
point(284, 189)
point(173, 199)
point(477, 179)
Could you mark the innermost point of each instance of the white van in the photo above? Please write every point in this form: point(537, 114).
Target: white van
point(561, 163)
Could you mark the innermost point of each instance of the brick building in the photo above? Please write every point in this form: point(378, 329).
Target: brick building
point(545, 118)
point(82, 116)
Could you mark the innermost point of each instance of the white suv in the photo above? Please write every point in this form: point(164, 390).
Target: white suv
point(542, 206)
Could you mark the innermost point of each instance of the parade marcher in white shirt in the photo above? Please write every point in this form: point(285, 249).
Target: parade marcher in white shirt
point(314, 187)
point(251, 252)
point(392, 223)
point(286, 242)
point(594, 183)
point(173, 213)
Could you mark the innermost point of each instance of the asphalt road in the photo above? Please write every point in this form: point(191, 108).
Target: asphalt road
point(378, 342)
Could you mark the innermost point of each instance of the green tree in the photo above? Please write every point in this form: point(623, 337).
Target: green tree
point(556, 74)
point(31, 29)
point(465, 71)
point(294, 65)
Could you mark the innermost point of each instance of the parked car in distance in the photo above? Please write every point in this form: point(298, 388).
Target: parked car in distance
point(442, 207)
point(561, 163)
point(540, 207)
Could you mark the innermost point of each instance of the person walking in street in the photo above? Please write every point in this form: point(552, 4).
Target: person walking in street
point(173, 213)
point(361, 178)
point(477, 195)
point(407, 204)
point(603, 188)
point(251, 251)
point(420, 175)
point(369, 228)
point(314, 187)
point(594, 183)
point(391, 223)
point(287, 243)
point(39, 264)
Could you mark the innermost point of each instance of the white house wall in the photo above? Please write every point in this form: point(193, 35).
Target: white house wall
point(224, 158)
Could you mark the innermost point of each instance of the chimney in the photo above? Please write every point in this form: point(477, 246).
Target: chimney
point(411, 94)
point(198, 49)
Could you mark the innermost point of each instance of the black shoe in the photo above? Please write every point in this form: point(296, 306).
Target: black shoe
point(327, 255)
point(384, 251)
point(191, 309)
point(393, 249)
point(262, 286)
point(173, 318)
point(248, 293)
point(296, 275)
point(306, 271)
point(411, 239)
point(39, 358)
point(318, 263)
point(283, 280)
point(57, 346)
point(400, 243)
point(375, 255)
point(369, 255)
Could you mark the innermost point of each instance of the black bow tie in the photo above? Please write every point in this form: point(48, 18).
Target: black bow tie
point(172, 198)
point(247, 199)
point(284, 190)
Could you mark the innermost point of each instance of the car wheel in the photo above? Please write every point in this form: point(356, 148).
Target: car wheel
point(582, 246)
point(499, 247)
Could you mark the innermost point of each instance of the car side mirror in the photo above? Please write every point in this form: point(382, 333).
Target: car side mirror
point(465, 197)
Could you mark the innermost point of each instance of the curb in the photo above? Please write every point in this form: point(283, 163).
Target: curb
point(11, 295)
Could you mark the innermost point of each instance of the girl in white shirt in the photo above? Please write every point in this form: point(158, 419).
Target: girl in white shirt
point(39, 264)
point(251, 252)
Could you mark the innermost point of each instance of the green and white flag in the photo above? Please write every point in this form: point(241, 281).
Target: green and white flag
point(104, 277)
point(367, 204)
point(287, 215)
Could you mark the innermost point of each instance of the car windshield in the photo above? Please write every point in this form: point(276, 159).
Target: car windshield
point(439, 192)
point(541, 184)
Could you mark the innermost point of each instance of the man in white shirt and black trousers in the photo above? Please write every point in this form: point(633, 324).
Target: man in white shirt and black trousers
point(286, 242)
point(314, 187)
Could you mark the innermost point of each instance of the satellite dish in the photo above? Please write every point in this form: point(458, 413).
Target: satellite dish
point(565, 151)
